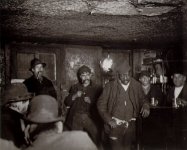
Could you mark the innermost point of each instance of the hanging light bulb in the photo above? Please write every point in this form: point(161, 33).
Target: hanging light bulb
point(106, 64)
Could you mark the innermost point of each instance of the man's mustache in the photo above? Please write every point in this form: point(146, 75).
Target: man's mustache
point(85, 80)
point(38, 74)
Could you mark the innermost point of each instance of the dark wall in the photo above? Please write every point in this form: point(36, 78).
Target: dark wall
point(185, 36)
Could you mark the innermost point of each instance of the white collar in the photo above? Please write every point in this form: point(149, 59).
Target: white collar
point(124, 86)
point(177, 91)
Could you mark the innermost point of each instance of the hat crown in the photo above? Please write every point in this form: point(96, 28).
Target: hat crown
point(144, 73)
point(16, 92)
point(43, 109)
point(124, 67)
point(83, 69)
point(35, 62)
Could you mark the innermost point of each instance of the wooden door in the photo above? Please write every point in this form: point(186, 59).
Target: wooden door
point(22, 54)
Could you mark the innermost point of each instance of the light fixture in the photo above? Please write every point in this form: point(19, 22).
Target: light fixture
point(106, 64)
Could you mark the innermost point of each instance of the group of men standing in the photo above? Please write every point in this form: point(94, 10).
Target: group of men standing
point(108, 115)
point(115, 107)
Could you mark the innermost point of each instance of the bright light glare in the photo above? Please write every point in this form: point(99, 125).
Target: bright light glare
point(107, 64)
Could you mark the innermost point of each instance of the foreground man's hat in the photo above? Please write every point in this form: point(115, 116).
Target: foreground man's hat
point(35, 62)
point(43, 109)
point(16, 92)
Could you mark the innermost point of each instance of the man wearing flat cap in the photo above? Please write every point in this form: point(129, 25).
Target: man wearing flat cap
point(121, 102)
point(15, 103)
point(37, 83)
point(82, 98)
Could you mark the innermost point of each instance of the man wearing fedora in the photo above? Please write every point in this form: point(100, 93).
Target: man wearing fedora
point(15, 103)
point(121, 102)
point(43, 116)
point(37, 83)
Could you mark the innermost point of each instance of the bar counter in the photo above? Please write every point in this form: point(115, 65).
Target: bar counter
point(164, 129)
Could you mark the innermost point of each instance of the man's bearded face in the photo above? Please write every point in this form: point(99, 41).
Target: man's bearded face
point(38, 71)
point(124, 77)
point(85, 78)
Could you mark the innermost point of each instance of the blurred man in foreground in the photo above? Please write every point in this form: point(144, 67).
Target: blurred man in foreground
point(44, 132)
point(16, 100)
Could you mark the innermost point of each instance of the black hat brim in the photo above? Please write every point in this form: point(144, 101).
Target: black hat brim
point(22, 98)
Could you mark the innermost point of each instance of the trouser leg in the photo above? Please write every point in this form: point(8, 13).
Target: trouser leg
point(127, 141)
point(90, 127)
point(77, 123)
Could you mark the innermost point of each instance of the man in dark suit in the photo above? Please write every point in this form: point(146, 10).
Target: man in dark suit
point(178, 93)
point(15, 103)
point(121, 102)
point(82, 102)
point(152, 91)
point(37, 83)
point(177, 97)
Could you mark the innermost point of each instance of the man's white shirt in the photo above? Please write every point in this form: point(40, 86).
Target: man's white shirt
point(177, 91)
point(125, 86)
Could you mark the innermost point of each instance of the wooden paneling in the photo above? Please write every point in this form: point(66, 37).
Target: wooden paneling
point(23, 65)
point(22, 54)
point(50, 60)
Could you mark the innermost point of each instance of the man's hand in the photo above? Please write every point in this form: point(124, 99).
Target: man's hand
point(181, 102)
point(87, 100)
point(120, 122)
point(145, 111)
point(78, 94)
point(59, 126)
point(112, 123)
point(27, 135)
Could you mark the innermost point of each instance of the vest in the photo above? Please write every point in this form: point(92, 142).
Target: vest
point(123, 108)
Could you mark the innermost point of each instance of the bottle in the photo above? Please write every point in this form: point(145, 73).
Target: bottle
point(152, 101)
point(174, 103)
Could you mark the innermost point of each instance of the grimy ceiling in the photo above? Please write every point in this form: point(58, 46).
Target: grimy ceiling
point(102, 21)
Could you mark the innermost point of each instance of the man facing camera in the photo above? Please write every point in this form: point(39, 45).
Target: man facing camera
point(121, 102)
point(82, 102)
point(178, 93)
point(177, 97)
point(37, 83)
point(152, 92)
